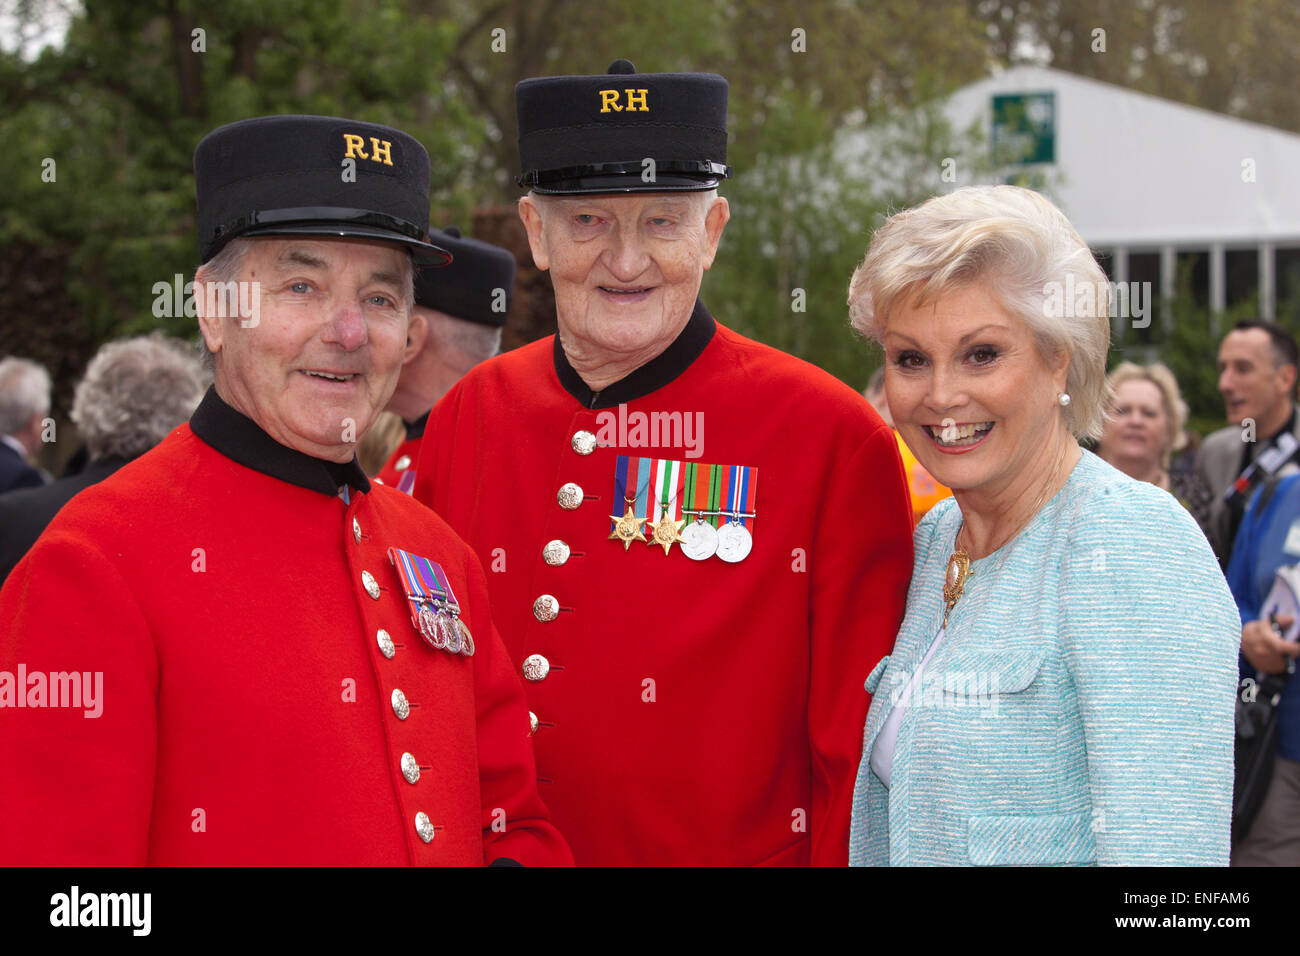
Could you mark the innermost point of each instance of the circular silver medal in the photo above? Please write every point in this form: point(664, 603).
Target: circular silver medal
point(451, 633)
point(429, 629)
point(699, 540)
point(466, 639)
point(734, 542)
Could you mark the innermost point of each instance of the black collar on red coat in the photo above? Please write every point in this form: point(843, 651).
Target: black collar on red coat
point(242, 440)
point(416, 428)
point(654, 374)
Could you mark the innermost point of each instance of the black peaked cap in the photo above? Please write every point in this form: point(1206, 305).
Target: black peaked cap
point(287, 175)
point(594, 134)
point(479, 284)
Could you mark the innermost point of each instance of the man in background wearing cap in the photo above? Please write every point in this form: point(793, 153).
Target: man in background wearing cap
point(456, 323)
point(698, 546)
point(234, 650)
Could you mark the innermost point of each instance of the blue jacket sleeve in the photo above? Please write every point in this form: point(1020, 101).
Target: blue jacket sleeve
point(1241, 567)
point(1150, 637)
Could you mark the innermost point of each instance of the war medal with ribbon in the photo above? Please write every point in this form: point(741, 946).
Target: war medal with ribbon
point(707, 509)
point(734, 538)
point(666, 483)
point(701, 497)
point(630, 474)
point(435, 612)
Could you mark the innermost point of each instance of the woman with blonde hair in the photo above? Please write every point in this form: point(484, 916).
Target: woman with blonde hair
point(1062, 686)
point(1145, 427)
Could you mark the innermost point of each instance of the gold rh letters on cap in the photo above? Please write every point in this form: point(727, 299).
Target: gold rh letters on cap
point(377, 150)
point(380, 149)
point(636, 101)
point(356, 146)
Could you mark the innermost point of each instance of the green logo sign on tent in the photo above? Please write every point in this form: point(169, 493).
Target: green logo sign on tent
point(1024, 129)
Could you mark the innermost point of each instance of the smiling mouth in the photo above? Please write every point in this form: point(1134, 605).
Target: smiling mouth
point(635, 291)
point(959, 436)
point(330, 376)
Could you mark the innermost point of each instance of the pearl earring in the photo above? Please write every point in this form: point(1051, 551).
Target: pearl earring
point(1063, 398)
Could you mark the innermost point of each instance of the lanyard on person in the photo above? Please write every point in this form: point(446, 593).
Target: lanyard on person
point(1269, 461)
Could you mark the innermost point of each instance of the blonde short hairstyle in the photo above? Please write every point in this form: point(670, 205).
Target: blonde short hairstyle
point(1175, 408)
point(1030, 257)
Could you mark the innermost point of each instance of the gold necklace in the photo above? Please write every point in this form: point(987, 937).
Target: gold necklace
point(959, 572)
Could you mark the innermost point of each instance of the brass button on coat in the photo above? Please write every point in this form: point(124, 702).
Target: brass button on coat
point(546, 608)
point(356, 530)
point(424, 827)
point(401, 706)
point(370, 584)
point(584, 442)
point(410, 769)
point(402, 463)
point(536, 667)
point(569, 496)
point(386, 645)
point(555, 553)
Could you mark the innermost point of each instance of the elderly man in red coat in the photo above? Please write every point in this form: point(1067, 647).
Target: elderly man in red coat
point(236, 650)
point(456, 323)
point(697, 546)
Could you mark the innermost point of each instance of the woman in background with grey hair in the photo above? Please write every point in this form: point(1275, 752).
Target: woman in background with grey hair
point(1062, 687)
point(133, 394)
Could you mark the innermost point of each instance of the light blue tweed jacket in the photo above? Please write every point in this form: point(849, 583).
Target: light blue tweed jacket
point(1080, 708)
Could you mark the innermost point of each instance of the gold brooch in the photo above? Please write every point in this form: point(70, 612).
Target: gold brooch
point(955, 580)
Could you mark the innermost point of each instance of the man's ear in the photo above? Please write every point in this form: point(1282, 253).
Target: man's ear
point(1288, 373)
point(209, 325)
point(417, 333)
point(530, 214)
point(715, 220)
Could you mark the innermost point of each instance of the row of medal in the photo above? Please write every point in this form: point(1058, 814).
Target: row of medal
point(435, 612)
point(707, 509)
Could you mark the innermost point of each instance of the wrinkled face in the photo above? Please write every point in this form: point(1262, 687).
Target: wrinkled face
point(1252, 387)
point(969, 390)
point(626, 268)
point(322, 358)
point(1139, 425)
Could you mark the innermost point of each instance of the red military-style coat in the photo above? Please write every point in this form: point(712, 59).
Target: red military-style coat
point(265, 696)
point(687, 712)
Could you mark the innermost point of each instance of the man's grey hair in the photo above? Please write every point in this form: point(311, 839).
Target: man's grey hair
point(224, 268)
point(134, 392)
point(24, 392)
point(473, 342)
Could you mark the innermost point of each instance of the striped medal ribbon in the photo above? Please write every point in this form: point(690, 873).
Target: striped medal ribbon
point(666, 478)
point(435, 613)
point(735, 538)
point(631, 486)
point(700, 499)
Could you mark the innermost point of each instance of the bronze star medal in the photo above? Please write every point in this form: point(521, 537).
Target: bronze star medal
point(666, 532)
point(628, 527)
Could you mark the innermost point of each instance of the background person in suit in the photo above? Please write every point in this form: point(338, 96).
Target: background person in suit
point(1257, 376)
point(133, 394)
point(24, 404)
point(1070, 699)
